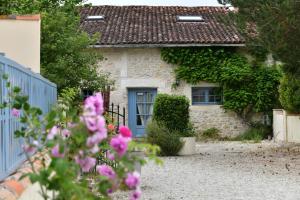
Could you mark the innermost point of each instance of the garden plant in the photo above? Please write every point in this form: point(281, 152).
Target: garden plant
point(80, 146)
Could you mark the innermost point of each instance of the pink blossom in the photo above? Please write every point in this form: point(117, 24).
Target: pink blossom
point(125, 131)
point(52, 133)
point(110, 155)
point(119, 144)
point(66, 133)
point(94, 104)
point(132, 180)
point(136, 194)
point(96, 138)
point(30, 149)
point(106, 171)
point(85, 163)
point(110, 127)
point(55, 152)
point(15, 112)
point(95, 123)
point(94, 149)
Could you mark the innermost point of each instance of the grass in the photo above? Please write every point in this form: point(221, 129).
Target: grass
point(256, 134)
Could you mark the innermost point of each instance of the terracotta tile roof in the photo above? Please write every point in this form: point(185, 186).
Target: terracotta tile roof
point(158, 25)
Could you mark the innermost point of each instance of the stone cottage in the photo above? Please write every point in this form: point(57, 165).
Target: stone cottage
point(130, 41)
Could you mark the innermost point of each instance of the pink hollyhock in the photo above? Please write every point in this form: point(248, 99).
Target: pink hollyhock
point(132, 180)
point(119, 144)
point(94, 104)
point(136, 194)
point(86, 163)
point(30, 149)
point(110, 127)
point(66, 133)
point(125, 131)
point(110, 155)
point(95, 123)
point(96, 138)
point(55, 152)
point(106, 171)
point(53, 132)
point(15, 112)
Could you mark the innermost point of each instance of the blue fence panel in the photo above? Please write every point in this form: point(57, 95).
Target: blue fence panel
point(41, 92)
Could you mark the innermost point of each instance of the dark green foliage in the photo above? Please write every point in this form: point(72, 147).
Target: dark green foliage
point(172, 112)
point(257, 133)
point(274, 25)
point(211, 133)
point(169, 142)
point(246, 88)
point(290, 93)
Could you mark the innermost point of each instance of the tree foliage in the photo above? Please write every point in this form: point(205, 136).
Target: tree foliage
point(274, 25)
point(246, 88)
point(65, 59)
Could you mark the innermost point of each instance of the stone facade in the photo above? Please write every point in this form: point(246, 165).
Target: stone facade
point(143, 68)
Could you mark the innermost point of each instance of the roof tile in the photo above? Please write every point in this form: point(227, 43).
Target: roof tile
point(128, 25)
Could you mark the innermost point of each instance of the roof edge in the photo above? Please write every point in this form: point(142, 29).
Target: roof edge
point(166, 45)
point(36, 17)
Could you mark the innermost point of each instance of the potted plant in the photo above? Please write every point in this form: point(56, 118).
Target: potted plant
point(189, 141)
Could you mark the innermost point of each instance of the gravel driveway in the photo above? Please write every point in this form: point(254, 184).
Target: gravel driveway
point(227, 171)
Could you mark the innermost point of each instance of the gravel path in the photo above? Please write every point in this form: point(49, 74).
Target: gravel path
point(226, 171)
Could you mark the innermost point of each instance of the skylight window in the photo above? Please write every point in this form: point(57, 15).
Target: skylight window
point(189, 18)
point(95, 17)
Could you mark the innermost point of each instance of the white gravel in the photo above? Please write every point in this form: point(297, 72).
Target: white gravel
point(226, 171)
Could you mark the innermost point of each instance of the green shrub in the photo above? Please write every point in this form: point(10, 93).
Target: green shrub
point(169, 142)
point(172, 112)
point(257, 133)
point(212, 133)
point(289, 91)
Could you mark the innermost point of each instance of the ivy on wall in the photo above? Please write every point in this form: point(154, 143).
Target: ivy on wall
point(246, 88)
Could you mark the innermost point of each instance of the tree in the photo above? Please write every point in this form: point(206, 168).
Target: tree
point(273, 25)
point(65, 56)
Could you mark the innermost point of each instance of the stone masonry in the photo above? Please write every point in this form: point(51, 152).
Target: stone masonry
point(143, 68)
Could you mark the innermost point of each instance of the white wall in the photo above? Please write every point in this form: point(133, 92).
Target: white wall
point(20, 40)
point(286, 126)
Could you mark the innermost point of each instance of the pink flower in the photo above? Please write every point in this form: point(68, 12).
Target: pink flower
point(125, 131)
point(136, 194)
point(110, 155)
point(119, 144)
point(52, 133)
point(94, 104)
point(96, 138)
point(55, 152)
point(85, 163)
point(15, 112)
point(66, 133)
point(132, 180)
point(95, 123)
point(106, 171)
point(30, 149)
point(110, 127)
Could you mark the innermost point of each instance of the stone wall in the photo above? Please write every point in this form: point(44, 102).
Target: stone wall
point(143, 68)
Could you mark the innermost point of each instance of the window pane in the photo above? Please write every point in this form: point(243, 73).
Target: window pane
point(202, 95)
point(140, 97)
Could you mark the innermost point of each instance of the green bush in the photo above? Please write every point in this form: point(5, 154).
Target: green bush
point(172, 111)
point(257, 133)
point(169, 142)
point(289, 91)
point(212, 133)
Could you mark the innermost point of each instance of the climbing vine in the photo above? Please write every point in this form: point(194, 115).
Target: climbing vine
point(247, 88)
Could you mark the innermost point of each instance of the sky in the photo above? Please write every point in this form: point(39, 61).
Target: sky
point(156, 2)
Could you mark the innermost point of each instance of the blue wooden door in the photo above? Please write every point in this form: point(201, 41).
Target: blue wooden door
point(140, 109)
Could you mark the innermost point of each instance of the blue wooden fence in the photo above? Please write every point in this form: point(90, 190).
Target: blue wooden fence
point(42, 93)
